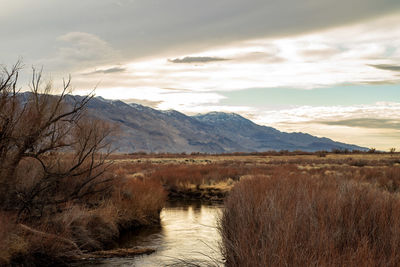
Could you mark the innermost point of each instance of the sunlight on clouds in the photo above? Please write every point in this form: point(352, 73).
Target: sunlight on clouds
point(338, 56)
point(381, 139)
point(380, 110)
point(365, 53)
point(321, 121)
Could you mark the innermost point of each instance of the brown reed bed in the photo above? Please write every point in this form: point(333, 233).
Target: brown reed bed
point(315, 218)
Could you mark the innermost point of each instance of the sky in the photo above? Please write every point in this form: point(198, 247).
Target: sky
point(326, 67)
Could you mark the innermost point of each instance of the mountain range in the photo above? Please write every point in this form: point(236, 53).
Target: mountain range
point(146, 129)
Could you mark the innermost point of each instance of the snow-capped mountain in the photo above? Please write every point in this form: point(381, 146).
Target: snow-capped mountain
point(143, 128)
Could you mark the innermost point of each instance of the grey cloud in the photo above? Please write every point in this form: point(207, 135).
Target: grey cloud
point(144, 28)
point(85, 48)
point(79, 50)
point(379, 82)
point(196, 59)
point(386, 67)
point(107, 71)
point(366, 123)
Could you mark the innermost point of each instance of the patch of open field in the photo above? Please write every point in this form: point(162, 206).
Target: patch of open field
point(213, 176)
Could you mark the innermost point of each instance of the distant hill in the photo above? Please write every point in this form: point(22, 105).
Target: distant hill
point(146, 129)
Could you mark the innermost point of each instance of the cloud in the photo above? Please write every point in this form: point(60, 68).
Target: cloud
point(366, 123)
point(80, 50)
point(260, 57)
point(82, 46)
point(376, 125)
point(164, 98)
point(196, 59)
point(321, 53)
point(319, 114)
point(386, 67)
point(107, 71)
point(316, 60)
point(175, 25)
point(395, 80)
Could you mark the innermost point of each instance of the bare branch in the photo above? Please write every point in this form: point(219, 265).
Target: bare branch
point(49, 141)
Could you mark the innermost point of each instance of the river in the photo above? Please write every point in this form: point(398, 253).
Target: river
point(187, 236)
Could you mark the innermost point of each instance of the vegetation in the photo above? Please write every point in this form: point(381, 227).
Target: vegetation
point(291, 209)
point(58, 195)
point(329, 216)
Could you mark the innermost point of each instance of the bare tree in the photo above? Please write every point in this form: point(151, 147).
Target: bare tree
point(51, 152)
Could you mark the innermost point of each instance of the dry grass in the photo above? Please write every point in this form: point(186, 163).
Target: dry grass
point(11, 244)
point(76, 227)
point(294, 219)
point(308, 194)
point(122, 252)
point(195, 175)
point(138, 201)
point(184, 175)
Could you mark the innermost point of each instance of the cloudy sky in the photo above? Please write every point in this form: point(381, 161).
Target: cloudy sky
point(326, 67)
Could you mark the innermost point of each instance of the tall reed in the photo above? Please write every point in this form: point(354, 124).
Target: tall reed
point(292, 219)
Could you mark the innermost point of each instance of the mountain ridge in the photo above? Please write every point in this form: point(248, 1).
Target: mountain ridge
point(147, 129)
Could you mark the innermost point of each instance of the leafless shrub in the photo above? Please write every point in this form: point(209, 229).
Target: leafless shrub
point(36, 129)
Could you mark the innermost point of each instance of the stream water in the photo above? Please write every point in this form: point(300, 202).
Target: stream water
point(187, 236)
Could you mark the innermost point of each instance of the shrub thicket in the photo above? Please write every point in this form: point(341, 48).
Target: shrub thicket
point(294, 219)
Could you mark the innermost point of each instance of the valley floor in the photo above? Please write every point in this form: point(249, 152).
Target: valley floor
point(349, 200)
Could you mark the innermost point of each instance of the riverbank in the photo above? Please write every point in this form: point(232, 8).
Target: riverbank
point(187, 236)
point(80, 231)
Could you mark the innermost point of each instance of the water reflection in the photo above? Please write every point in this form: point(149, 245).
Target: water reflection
point(187, 233)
